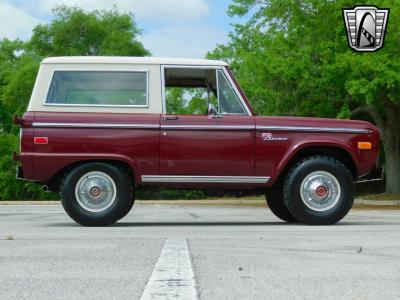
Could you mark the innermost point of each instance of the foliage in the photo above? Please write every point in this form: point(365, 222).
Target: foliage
point(77, 32)
point(8, 61)
point(10, 187)
point(189, 101)
point(168, 194)
point(16, 93)
point(292, 57)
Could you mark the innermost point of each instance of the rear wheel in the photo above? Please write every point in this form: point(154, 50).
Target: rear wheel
point(319, 190)
point(97, 194)
point(278, 208)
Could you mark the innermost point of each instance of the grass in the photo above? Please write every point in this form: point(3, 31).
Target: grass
point(9, 237)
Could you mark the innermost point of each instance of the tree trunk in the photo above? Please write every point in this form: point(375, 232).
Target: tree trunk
point(387, 122)
point(391, 144)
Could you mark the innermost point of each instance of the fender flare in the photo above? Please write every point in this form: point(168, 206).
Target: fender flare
point(295, 149)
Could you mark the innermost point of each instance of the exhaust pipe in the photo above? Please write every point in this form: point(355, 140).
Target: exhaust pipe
point(45, 188)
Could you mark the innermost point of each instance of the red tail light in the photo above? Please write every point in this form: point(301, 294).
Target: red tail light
point(41, 140)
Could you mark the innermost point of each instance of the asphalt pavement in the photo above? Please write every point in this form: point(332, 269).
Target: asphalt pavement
point(162, 251)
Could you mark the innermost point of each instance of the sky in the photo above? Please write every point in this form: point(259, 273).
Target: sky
point(170, 28)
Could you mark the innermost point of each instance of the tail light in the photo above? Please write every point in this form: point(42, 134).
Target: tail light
point(41, 140)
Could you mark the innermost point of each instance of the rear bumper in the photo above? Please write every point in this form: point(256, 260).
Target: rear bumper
point(25, 166)
point(20, 173)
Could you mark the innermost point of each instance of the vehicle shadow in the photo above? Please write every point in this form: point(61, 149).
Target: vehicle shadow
point(233, 223)
point(176, 223)
point(204, 223)
point(228, 223)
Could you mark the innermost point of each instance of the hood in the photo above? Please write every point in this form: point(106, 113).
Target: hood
point(314, 124)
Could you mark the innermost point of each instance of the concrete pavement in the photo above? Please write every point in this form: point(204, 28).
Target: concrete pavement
point(234, 252)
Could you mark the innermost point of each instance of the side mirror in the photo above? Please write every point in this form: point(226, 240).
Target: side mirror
point(213, 111)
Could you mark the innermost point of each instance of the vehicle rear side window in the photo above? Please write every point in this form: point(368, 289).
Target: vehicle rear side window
point(98, 88)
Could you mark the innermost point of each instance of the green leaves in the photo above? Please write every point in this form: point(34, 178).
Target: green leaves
point(292, 57)
point(77, 32)
point(10, 187)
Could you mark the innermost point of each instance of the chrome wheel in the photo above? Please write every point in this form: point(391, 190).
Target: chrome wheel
point(320, 191)
point(95, 191)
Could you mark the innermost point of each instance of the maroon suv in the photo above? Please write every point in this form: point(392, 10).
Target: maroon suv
point(99, 127)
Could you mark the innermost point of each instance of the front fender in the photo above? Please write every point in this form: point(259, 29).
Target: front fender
point(317, 147)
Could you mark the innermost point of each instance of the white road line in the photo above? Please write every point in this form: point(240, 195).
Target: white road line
point(172, 277)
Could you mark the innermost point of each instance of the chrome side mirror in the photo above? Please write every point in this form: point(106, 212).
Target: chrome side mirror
point(213, 111)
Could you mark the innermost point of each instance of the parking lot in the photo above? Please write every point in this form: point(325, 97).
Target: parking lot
point(162, 251)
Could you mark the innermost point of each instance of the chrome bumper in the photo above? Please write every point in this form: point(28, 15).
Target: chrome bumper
point(377, 174)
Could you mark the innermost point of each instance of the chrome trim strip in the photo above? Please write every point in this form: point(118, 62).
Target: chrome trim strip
point(95, 125)
point(203, 179)
point(208, 127)
point(199, 127)
point(313, 129)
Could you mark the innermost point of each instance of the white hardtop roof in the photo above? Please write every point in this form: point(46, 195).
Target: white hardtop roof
point(131, 60)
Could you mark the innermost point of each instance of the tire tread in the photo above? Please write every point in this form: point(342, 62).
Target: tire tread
point(127, 205)
point(287, 197)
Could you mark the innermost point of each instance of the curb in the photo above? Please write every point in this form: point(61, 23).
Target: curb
point(377, 202)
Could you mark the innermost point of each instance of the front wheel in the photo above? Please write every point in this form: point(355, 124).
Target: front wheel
point(97, 194)
point(319, 190)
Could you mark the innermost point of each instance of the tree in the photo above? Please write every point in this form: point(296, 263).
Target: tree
point(77, 32)
point(8, 62)
point(292, 58)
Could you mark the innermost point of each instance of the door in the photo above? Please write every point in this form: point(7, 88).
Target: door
point(205, 130)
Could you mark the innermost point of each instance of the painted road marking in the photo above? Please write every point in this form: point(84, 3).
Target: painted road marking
point(172, 277)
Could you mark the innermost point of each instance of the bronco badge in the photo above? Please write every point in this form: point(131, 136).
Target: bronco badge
point(267, 136)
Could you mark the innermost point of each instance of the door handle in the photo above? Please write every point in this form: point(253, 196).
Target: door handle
point(171, 118)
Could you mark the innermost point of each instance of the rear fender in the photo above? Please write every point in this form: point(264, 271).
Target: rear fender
point(47, 165)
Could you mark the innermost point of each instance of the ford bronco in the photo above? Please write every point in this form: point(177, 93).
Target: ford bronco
point(97, 128)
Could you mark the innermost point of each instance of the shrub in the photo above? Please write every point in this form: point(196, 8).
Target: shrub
point(10, 187)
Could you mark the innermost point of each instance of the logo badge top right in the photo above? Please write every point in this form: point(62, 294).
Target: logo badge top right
point(366, 27)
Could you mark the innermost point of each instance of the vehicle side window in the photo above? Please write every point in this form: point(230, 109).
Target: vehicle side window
point(102, 88)
point(190, 91)
point(228, 99)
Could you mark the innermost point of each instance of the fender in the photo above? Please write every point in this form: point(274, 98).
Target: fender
point(296, 148)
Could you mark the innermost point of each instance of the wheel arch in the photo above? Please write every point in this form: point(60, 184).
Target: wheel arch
point(334, 151)
point(54, 183)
